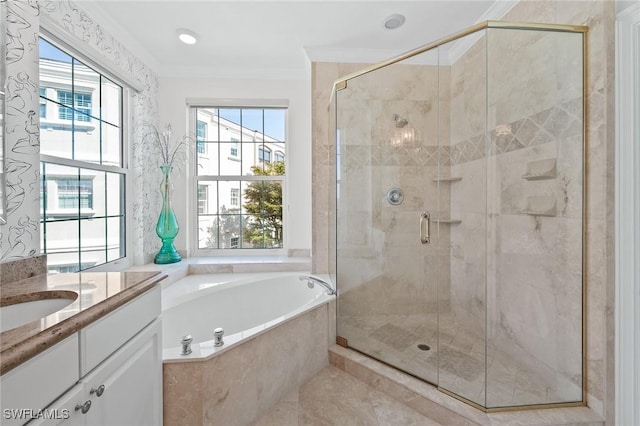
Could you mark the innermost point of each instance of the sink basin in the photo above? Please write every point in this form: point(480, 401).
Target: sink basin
point(38, 306)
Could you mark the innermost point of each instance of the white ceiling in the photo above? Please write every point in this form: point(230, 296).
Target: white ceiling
point(278, 39)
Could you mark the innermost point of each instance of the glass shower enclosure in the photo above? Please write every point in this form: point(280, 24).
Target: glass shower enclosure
point(459, 213)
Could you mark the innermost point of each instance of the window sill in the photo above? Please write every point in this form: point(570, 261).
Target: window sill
point(228, 264)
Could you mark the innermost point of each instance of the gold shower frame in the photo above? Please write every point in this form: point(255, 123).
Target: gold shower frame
point(341, 84)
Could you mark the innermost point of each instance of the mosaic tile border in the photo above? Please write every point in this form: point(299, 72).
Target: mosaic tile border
point(553, 124)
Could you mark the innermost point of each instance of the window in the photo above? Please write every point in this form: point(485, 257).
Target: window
point(81, 105)
point(235, 197)
point(264, 154)
point(82, 171)
point(234, 147)
point(43, 102)
point(245, 187)
point(201, 136)
point(235, 242)
point(202, 199)
point(278, 156)
point(74, 193)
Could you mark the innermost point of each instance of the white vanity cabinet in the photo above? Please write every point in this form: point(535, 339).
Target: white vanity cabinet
point(34, 384)
point(120, 370)
point(127, 388)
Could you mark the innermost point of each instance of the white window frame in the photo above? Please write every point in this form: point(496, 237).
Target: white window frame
point(81, 53)
point(193, 103)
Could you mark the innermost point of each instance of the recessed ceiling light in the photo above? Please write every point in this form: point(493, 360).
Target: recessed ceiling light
point(394, 21)
point(187, 36)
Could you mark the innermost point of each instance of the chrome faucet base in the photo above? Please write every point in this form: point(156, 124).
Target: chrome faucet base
point(186, 344)
point(217, 337)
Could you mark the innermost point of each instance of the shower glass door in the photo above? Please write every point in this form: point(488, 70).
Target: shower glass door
point(463, 229)
point(387, 171)
point(460, 214)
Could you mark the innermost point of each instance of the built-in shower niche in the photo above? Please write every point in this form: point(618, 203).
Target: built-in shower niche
point(484, 132)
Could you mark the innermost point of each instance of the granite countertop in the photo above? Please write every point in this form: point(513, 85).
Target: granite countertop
point(98, 294)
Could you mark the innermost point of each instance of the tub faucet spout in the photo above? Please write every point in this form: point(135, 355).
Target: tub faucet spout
point(311, 281)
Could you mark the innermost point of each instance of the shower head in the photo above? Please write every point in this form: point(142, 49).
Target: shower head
point(400, 121)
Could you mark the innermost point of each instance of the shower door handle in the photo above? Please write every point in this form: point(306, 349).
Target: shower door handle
point(425, 228)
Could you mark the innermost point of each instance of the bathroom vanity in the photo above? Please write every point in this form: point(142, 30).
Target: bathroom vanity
point(96, 361)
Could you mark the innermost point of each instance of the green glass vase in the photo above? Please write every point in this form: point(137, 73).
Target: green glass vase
point(167, 226)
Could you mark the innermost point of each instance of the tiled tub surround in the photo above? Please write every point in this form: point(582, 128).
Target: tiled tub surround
point(240, 381)
point(98, 294)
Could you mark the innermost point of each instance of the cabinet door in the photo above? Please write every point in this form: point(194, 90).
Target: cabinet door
point(132, 380)
point(63, 411)
point(35, 384)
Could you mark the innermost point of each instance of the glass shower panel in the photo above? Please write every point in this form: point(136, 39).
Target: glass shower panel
point(535, 202)
point(333, 189)
point(386, 163)
point(462, 217)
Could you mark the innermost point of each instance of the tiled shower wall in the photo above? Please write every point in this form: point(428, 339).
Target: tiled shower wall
point(378, 243)
point(598, 15)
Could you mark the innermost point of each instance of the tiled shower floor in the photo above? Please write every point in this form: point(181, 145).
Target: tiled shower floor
point(333, 397)
point(394, 339)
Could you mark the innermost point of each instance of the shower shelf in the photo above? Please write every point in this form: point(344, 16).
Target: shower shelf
point(541, 169)
point(448, 179)
point(540, 206)
point(447, 221)
point(549, 213)
point(538, 177)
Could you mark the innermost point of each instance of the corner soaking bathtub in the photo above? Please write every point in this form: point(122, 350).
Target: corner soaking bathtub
point(243, 304)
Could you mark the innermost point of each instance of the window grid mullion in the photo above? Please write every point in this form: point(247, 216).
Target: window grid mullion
point(106, 221)
point(100, 121)
point(73, 118)
point(79, 226)
point(44, 205)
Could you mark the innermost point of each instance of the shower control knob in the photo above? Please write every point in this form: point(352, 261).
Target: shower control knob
point(217, 337)
point(395, 196)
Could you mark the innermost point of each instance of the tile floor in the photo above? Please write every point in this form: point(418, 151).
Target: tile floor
point(394, 339)
point(333, 397)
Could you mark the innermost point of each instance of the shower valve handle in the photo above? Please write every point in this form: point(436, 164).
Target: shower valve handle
point(425, 228)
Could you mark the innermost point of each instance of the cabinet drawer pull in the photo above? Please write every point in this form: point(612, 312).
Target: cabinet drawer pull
point(98, 391)
point(84, 407)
